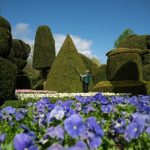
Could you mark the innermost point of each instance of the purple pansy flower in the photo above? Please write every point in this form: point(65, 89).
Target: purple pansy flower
point(102, 99)
point(80, 145)
point(119, 125)
point(9, 110)
point(106, 108)
point(2, 137)
point(74, 125)
point(133, 131)
point(23, 141)
point(56, 147)
point(148, 130)
point(94, 142)
point(57, 132)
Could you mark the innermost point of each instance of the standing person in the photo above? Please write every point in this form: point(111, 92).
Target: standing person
point(85, 78)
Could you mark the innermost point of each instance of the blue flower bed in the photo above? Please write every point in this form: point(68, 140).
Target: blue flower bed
point(85, 123)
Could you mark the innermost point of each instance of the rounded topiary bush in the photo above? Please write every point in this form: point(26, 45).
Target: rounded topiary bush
point(5, 42)
point(146, 59)
point(19, 50)
point(101, 74)
point(4, 23)
point(146, 72)
point(126, 86)
point(19, 54)
point(135, 41)
point(7, 80)
point(124, 65)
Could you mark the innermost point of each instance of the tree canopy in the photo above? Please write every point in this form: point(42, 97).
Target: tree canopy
point(126, 33)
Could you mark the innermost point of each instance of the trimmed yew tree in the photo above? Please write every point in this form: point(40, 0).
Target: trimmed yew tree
point(63, 76)
point(5, 37)
point(44, 50)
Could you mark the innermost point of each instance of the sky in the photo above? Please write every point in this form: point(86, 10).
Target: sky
point(94, 25)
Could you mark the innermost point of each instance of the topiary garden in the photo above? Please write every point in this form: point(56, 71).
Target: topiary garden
point(97, 120)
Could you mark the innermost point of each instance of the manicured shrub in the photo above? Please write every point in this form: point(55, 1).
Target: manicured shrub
point(146, 59)
point(124, 50)
point(136, 41)
point(63, 77)
point(19, 63)
point(124, 66)
point(19, 50)
point(5, 42)
point(101, 74)
point(135, 87)
point(44, 49)
point(7, 80)
point(19, 54)
point(4, 23)
point(146, 72)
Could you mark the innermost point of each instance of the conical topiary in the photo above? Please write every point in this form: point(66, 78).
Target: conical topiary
point(44, 49)
point(63, 77)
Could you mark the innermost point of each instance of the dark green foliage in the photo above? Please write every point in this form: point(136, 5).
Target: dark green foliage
point(124, 50)
point(22, 82)
point(101, 74)
point(44, 48)
point(146, 72)
point(4, 23)
point(19, 63)
point(126, 33)
point(146, 59)
point(124, 66)
point(63, 77)
point(135, 87)
point(19, 50)
point(5, 42)
point(137, 41)
point(7, 80)
point(90, 66)
point(19, 54)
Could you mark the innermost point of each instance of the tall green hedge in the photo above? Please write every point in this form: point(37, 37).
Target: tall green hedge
point(136, 41)
point(63, 77)
point(5, 42)
point(146, 72)
point(146, 59)
point(124, 66)
point(44, 48)
point(4, 23)
point(7, 80)
point(101, 74)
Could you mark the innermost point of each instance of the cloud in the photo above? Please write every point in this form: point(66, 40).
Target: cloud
point(83, 46)
point(22, 31)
